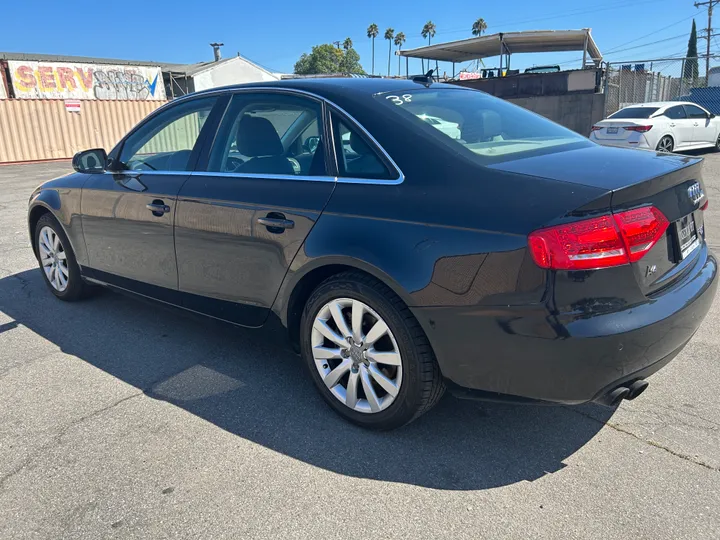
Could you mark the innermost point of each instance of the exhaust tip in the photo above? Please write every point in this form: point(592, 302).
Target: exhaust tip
point(636, 388)
point(613, 399)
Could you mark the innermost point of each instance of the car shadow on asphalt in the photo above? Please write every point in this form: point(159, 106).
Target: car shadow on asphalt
point(251, 384)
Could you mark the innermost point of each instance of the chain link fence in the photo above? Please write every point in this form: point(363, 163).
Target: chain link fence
point(665, 79)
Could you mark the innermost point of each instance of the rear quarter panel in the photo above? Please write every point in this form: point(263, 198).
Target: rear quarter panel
point(459, 241)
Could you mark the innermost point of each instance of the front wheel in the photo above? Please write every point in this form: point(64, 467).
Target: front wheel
point(367, 354)
point(666, 144)
point(57, 260)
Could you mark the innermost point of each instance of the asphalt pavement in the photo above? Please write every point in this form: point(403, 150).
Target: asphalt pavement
point(124, 419)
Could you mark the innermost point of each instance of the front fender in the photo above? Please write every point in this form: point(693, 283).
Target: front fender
point(64, 204)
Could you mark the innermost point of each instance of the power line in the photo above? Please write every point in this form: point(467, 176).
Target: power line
point(650, 34)
point(630, 48)
point(559, 15)
point(618, 49)
point(650, 43)
point(708, 30)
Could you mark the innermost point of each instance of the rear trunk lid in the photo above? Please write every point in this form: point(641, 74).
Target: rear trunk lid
point(633, 178)
point(615, 130)
point(679, 195)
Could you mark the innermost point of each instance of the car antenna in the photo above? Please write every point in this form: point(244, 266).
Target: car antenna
point(426, 80)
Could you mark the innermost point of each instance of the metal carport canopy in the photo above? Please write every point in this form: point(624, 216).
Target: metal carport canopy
point(535, 41)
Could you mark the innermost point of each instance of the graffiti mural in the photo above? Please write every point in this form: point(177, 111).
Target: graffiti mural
point(55, 80)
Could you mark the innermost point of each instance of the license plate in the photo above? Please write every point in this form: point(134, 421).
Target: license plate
point(687, 235)
point(612, 131)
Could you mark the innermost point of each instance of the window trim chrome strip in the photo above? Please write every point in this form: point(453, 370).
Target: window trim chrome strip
point(349, 180)
point(255, 176)
point(278, 89)
point(259, 176)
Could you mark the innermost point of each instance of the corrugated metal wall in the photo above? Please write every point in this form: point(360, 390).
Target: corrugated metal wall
point(42, 129)
point(179, 135)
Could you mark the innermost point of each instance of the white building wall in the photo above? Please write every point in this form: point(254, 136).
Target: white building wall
point(231, 71)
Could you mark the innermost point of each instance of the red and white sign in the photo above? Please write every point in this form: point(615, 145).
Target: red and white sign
point(468, 75)
point(72, 105)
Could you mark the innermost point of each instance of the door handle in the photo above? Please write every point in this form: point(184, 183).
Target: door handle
point(672, 125)
point(276, 222)
point(158, 207)
point(695, 124)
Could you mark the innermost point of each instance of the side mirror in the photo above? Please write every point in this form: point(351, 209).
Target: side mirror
point(311, 144)
point(711, 115)
point(90, 161)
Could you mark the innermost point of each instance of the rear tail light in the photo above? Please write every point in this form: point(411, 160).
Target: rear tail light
point(705, 206)
point(596, 128)
point(599, 242)
point(641, 129)
point(640, 229)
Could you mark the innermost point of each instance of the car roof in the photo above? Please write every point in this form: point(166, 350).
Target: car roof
point(659, 104)
point(324, 86)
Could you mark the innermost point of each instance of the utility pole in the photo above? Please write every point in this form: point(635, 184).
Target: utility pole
point(337, 43)
point(708, 33)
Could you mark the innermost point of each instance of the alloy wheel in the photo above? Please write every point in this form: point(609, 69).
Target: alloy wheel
point(53, 259)
point(665, 144)
point(356, 355)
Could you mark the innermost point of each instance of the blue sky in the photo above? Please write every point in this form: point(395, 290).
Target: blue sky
point(275, 32)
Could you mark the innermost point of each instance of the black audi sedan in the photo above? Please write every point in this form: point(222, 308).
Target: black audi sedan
point(411, 236)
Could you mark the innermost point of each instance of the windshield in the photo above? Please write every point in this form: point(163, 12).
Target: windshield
point(492, 129)
point(635, 112)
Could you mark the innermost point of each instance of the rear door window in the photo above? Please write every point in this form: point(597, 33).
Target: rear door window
point(270, 134)
point(676, 113)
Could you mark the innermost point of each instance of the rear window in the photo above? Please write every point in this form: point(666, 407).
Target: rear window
point(635, 112)
point(493, 130)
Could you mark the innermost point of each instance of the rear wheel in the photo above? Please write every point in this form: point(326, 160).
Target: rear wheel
point(666, 144)
point(367, 354)
point(717, 144)
point(57, 260)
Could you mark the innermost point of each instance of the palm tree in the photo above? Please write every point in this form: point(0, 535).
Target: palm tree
point(372, 33)
point(389, 34)
point(479, 27)
point(428, 32)
point(399, 40)
point(347, 44)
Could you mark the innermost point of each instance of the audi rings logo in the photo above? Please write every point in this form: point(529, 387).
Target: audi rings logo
point(695, 193)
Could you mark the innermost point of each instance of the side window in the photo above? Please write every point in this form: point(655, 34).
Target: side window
point(695, 112)
point(270, 134)
point(165, 142)
point(356, 157)
point(676, 113)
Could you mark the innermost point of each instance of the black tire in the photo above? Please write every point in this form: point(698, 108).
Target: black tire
point(76, 287)
point(668, 140)
point(421, 386)
point(717, 144)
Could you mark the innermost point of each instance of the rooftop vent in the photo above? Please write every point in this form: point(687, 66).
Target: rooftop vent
point(216, 50)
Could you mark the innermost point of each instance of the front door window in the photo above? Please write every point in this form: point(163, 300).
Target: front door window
point(165, 143)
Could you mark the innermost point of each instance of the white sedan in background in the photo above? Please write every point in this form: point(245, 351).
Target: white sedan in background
point(665, 126)
point(451, 129)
